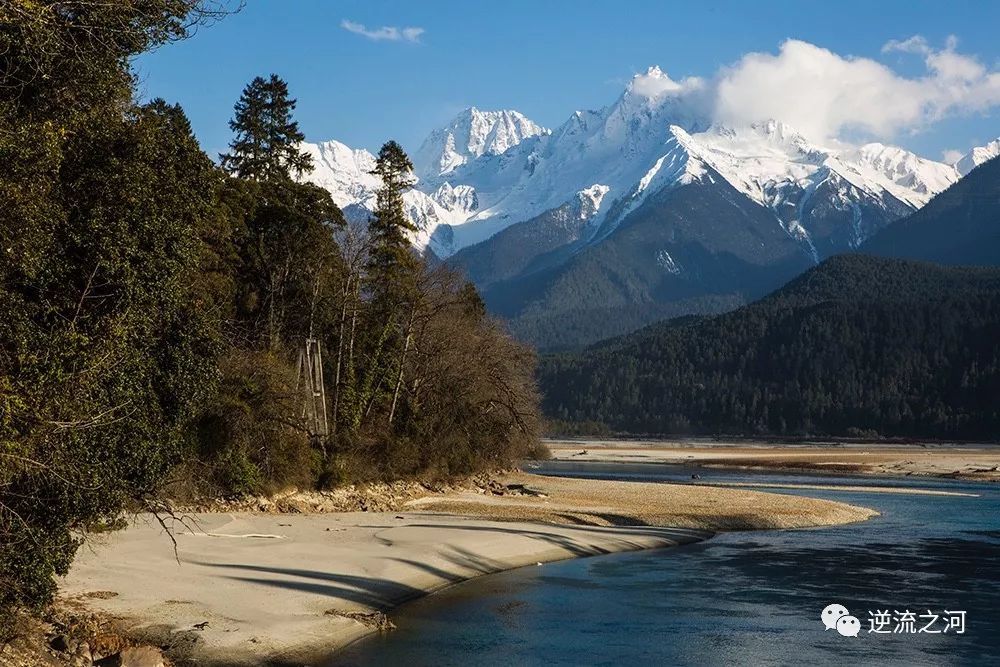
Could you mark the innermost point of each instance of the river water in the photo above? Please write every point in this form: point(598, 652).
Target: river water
point(738, 598)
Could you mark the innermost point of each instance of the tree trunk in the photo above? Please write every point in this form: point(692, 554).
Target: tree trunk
point(340, 352)
point(402, 362)
point(272, 316)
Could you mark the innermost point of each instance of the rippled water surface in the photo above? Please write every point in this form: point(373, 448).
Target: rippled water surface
point(739, 598)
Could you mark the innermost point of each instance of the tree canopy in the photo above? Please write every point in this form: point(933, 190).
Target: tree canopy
point(154, 306)
point(857, 346)
point(266, 140)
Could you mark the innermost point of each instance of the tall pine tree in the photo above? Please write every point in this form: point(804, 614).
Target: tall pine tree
point(392, 266)
point(265, 147)
point(287, 224)
point(392, 273)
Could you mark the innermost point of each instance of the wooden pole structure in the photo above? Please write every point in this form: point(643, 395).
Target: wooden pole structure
point(310, 375)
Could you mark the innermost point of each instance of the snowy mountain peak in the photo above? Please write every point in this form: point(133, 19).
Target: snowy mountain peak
point(472, 134)
point(487, 170)
point(652, 84)
point(977, 156)
point(344, 171)
point(916, 179)
point(779, 132)
point(770, 136)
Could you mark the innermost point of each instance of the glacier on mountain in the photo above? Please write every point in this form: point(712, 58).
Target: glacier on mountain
point(472, 134)
point(487, 170)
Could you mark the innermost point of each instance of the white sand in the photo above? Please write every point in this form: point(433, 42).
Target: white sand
point(973, 462)
point(265, 582)
point(270, 586)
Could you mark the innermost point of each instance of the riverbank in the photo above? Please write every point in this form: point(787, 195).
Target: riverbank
point(969, 462)
point(741, 597)
point(261, 588)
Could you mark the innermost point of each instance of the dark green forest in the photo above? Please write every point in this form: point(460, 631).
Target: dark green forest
point(858, 346)
point(170, 326)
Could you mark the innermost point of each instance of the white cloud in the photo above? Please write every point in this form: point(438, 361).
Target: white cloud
point(914, 44)
point(385, 33)
point(653, 83)
point(951, 155)
point(827, 96)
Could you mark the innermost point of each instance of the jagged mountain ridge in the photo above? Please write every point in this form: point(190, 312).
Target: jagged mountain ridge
point(521, 208)
point(513, 170)
point(978, 156)
point(470, 135)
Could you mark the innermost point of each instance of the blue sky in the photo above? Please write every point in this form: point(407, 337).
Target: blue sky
point(548, 58)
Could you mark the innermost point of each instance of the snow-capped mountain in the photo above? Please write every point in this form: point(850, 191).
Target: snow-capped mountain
point(347, 175)
point(510, 169)
point(977, 156)
point(439, 203)
point(519, 206)
point(515, 168)
point(472, 134)
point(958, 227)
point(345, 172)
point(830, 199)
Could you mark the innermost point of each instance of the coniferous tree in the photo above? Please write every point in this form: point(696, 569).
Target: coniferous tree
point(393, 271)
point(858, 346)
point(391, 263)
point(285, 273)
point(151, 307)
point(265, 147)
point(288, 242)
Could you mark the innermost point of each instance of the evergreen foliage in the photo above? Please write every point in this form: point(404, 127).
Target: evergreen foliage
point(152, 305)
point(105, 350)
point(857, 345)
point(391, 263)
point(265, 147)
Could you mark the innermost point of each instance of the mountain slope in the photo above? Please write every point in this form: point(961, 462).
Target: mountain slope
point(528, 245)
point(699, 248)
point(533, 216)
point(856, 345)
point(829, 199)
point(563, 287)
point(959, 226)
point(347, 174)
point(514, 170)
point(472, 134)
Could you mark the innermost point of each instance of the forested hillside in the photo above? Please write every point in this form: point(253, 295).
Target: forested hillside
point(858, 345)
